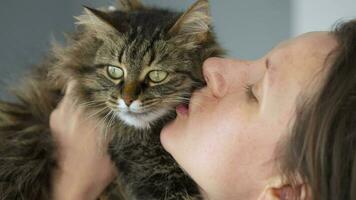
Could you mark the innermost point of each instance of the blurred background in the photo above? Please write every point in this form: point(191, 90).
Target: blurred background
point(246, 28)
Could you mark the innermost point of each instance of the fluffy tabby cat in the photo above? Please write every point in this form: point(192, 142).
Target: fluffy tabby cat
point(133, 66)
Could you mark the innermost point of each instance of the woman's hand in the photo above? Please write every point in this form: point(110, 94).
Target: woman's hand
point(84, 167)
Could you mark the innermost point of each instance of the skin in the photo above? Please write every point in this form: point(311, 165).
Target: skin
point(226, 140)
point(84, 168)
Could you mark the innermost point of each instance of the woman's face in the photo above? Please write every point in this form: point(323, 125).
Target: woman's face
point(227, 139)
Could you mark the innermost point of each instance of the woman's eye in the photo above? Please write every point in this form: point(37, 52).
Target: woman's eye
point(115, 72)
point(157, 76)
point(250, 94)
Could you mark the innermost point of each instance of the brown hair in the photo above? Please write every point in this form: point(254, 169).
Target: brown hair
point(322, 147)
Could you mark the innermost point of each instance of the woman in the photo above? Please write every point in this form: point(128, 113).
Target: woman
point(281, 127)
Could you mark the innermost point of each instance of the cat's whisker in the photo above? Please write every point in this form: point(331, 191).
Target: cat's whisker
point(180, 101)
point(102, 123)
point(95, 114)
point(183, 100)
point(151, 104)
point(107, 123)
point(180, 96)
point(91, 104)
point(177, 100)
point(87, 103)
point(107, 114)
point(151, 100)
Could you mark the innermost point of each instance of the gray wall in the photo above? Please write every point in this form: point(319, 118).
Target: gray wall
point(329, 12)
point(246, 28)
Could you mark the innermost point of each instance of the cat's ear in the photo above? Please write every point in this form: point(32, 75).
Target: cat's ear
point(97, 21)
point(196, 21)
point(130, 5)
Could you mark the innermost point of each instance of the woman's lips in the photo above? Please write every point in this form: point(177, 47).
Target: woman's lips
point(182, 109)
point(185, 109)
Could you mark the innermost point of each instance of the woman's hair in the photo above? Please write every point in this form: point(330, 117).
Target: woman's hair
point(321, 150)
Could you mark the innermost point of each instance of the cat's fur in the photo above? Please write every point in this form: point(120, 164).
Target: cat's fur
point(136, 38)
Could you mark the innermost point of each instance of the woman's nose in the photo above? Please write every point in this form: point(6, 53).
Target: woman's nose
point(222, 74)
point(214, 70)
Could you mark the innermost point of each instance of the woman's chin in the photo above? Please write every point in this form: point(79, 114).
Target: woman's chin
point(172, 134)
point(166, 135)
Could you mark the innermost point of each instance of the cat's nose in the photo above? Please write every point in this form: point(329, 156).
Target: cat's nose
point(128, 100)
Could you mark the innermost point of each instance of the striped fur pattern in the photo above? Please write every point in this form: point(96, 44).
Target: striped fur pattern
point(113, 56)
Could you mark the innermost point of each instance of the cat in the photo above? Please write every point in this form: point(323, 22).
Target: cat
point(133, 66)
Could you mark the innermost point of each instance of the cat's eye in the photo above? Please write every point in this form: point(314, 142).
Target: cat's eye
point(115, 72)
point(157, 76)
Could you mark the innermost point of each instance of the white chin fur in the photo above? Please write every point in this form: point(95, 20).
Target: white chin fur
point(142, 121)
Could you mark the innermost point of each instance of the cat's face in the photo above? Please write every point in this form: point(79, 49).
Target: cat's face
point(142, 63)
point(143, 80)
